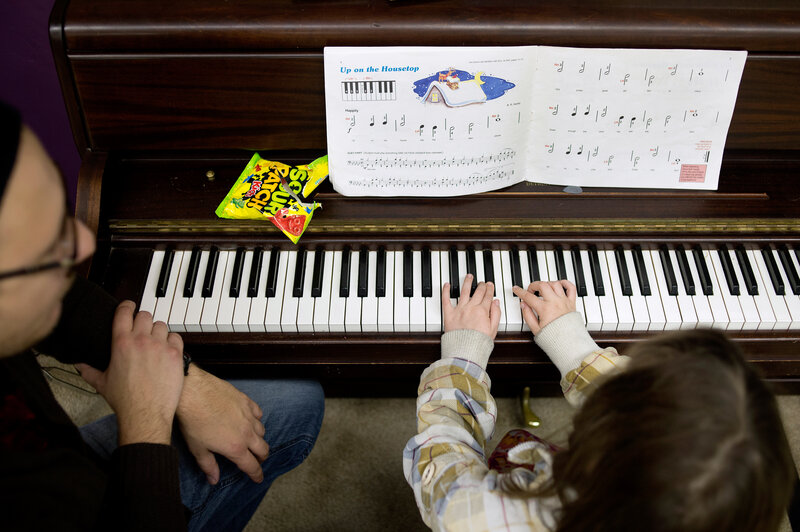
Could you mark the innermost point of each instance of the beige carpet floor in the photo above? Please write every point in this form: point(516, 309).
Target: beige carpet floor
point(353, 479)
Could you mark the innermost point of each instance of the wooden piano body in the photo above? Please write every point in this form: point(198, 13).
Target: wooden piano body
point(162, 95)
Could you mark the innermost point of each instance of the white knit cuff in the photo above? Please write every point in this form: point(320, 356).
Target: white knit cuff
point(468, 344)
point(566, 342)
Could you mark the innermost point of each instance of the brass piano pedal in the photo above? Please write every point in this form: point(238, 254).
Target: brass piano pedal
point(529, 416)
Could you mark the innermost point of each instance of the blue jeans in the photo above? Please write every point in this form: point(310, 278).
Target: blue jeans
point(293, 412)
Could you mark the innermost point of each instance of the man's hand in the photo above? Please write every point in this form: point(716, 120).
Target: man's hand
point(215, 417)
point(481, 312)
point(555, 299)
point(144, 378)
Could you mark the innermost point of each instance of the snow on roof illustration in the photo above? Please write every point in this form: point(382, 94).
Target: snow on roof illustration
point(458, 88)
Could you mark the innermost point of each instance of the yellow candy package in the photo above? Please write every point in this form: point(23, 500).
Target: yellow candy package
point(276, 191)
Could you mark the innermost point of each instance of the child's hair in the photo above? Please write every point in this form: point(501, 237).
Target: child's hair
point(688, 438)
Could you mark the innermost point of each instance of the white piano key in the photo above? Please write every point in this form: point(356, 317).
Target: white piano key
point(352, 313)
point(672, 312)
point(258, 304)
point(194, 310)
point(526, 277)
point(622, 303)
point(386, 303)
point(241, 309)
point(369, 304)
point(655, 307)
point(607, 305)
point(322, 306)
point(290, 303)
point(702, 307)
point(433, 304)
point(732, 306)
point(685, 303)
point(500, 291)
point(591, 303)
point(401, 303)
point(444, 277)
point(338, 305)
point(783, 318)
point(715, 300)
point(462, 266)
point(547, 265)
point(164, 304)
point(275, 305)
point(226, 302)
point(513, 310)
point(768, 319)
point(641, 314)
point(208, 319)
point(416, 305)
point(570, 270)
point(792, 301)
point(752, 320)
point(177, 312)
point(148, 302)
point(305, 305)
point(787, 306)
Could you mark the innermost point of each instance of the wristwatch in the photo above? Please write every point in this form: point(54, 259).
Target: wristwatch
point(186, 361)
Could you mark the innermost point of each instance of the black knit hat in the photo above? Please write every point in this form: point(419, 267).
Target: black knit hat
point(10, 129)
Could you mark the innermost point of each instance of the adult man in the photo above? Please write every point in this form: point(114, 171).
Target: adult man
point(119, 473)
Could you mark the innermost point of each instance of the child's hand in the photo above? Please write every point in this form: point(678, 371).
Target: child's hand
point(481, 312)
point(550, 304)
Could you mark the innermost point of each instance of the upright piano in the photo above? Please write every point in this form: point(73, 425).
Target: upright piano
point(168, 100)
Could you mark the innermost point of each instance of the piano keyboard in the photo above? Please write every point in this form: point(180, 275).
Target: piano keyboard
point(368, 90)
point(623, 288)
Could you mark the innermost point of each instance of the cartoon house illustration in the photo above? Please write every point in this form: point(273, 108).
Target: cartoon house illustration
point(453, 92)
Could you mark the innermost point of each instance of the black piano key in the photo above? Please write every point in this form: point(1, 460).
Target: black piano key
point(163, 276)
point(380, 273)
point(211, 272)
point(408, 273)
point(299, 272)
point(788, 267)
point(488, 267)
point(669, 272)
point(427, 273)
point(727, 269)
point(597, 275)
point(561, 267)
point(344, 278)
point(622, 269)
point(516, 268)
point(772, 269)
point(317, 279)
point(363, 272)
point(702, 270)
point(236, 275)
point(641, 270)
point(272, 272)
point(472, 267)
point(686, 272)
point(577, 267)
point(747, 270)
point(455, 286)
point(533, 265)
point(191, 275)
point(255, 272)
point(380, 87)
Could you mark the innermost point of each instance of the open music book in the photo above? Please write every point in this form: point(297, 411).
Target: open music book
point(446, 121)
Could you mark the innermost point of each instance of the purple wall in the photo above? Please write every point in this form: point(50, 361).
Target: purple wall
point(28, 80)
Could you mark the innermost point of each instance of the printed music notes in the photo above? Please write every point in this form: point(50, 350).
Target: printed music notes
point(459, 120)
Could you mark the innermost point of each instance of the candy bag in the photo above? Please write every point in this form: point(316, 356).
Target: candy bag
point(276, 191)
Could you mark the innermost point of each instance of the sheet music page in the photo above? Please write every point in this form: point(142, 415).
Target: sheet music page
point(418, 121)
point(632, 118)
point(448, 121)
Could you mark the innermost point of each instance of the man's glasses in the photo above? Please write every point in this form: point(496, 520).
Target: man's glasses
point(67, 246)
